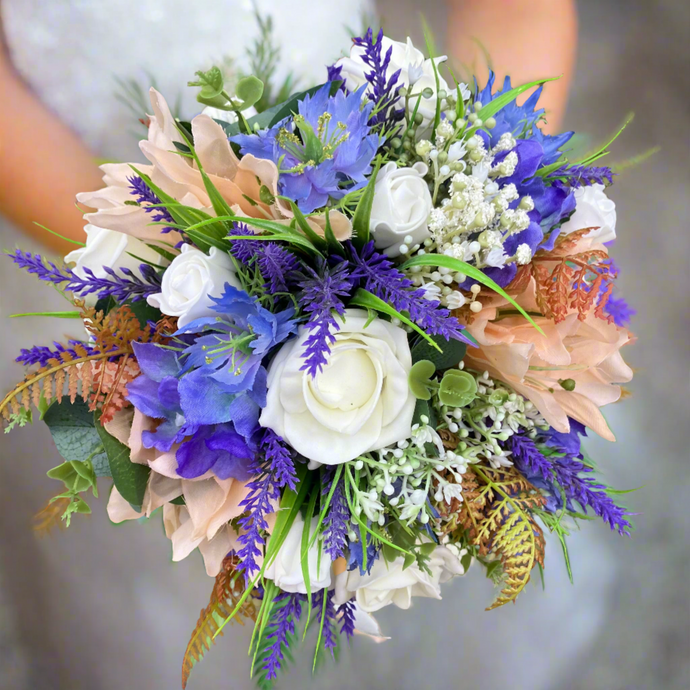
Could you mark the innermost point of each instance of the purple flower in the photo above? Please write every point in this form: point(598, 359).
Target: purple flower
point(144, 195)
point(325, 151)
point(336, 522)
point(380, 277)
point(322, 298)
point(287, 610)
point(384, 91)
point(583, 175)
point(128, 288)
point(554, 463)
point(276, 263)
point(347, 612)
point(41, 354)
point(620, 310)
point(326, 617)
point(273, 473)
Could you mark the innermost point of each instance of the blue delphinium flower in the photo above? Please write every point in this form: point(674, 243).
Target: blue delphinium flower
point(323, 152)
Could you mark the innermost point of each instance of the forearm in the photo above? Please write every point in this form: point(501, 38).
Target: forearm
point(525, 39)
point(42, 166)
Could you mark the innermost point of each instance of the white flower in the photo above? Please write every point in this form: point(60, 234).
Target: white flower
point(392, 583)
point(495, 257)
point(593, 210)
point(414, 70)
point(523, 255)
point(286, 569)
point(111, 249)
point(402, 203)
point(455, 300)
point(423, 148)
point(360, 401)
point(191, 280)
point(227, 115)
point(432, 291)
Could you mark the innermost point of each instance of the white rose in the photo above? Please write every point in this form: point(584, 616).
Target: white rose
point(392, 583)
point(360, 401)
point(111, 249)
point(191, 280)
point(286, 568)
point(402, 204)
point(593, 209)
point(414, 70)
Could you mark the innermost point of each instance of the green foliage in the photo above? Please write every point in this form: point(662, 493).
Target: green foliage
point(458, 388)
point(54, 314)
point(74, 432)
point(491, 108)
point(361, 221)
point(451, 354)
point(419, 379)
point(129, 477)
point(19, 419)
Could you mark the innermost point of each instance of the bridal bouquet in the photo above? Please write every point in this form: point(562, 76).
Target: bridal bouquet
point(349, 343)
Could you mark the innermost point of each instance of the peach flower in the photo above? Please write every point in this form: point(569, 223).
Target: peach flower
point(587, 352)
point(210, 503)
point(239, 181)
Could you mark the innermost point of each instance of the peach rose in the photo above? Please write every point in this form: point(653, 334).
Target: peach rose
point(210, 503)
point(587, 352)
point(239, 181)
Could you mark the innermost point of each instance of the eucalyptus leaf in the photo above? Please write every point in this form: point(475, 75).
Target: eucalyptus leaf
point(74, 433)
point(458, 388)
point(130, 478)
point(249, 90)
point(419, 379)
point(452, 352)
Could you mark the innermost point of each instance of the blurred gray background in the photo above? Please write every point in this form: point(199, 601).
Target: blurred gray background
point(100, 607)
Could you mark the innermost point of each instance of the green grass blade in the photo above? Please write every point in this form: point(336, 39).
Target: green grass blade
point(471, 271)
point(490, 109)
point(361, 221)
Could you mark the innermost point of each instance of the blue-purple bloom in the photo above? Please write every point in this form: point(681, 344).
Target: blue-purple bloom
point(326, 617)
point(554, 463)
point(618, 308)
point(150, 202)
point(583, 175)
point(347, 612)
point(322, 298)
point(325, 151)
point(216, 430)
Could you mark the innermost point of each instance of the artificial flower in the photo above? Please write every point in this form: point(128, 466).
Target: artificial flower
point(286, 568)
point(401, 207)
point(585, 353)
point(359, 401)
point(415, 71)
point(111, 249)
point(593, 209)
point(393, 583)
point(191, 282)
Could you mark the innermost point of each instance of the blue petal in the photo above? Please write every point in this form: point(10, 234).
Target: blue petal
point(202, 399)
point(156, 362)
point(143, 394)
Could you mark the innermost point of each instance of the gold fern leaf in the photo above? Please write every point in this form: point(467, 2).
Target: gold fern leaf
point(227, 590)
point(50, 516)
point(500, 522)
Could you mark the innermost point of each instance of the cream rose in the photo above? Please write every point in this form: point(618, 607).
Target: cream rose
point(593, 210)
point(191, 280)
point(360, 401)
point(111, 249)
point(414, 70)
point(286, 569)
point(402, 204)
point(392, 583)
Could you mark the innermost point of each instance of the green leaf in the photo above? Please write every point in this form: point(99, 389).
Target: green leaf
point(364, 298)
point(419, 379)
point(130, 478)
point(452, 352)
point(54, 314)
point(304, 226)
point(249, 90)
point(458, 388)
point(490, 109)
point(74, 433)
point(461, 267)
point(304, 549)
point(334, 247)
point(361, 221)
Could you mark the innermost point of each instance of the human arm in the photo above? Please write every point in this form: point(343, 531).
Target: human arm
point(525, 39)
point(43, 164)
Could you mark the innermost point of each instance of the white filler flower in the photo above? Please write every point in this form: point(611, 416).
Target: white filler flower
point(360, 401)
